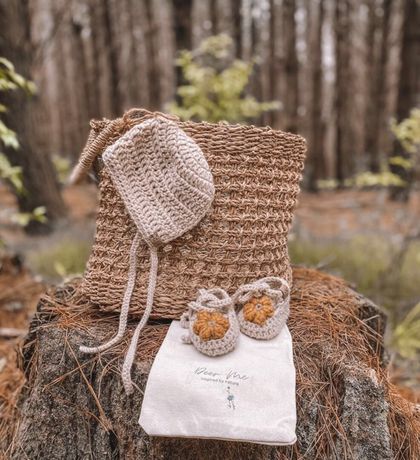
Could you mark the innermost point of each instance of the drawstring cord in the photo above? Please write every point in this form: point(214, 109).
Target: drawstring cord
point(131, 353)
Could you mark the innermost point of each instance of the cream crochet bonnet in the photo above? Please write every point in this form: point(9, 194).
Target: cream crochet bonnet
point(167, 188)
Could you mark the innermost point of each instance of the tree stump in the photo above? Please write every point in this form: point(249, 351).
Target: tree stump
point(74, 406)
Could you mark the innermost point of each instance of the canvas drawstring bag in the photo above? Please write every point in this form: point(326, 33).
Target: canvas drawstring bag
point(246, 395)
point(167, 187)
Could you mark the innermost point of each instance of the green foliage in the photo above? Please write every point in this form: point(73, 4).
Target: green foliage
point(8, 137)
point(406, 336)
point(10, 80)
point(369, 179)
point(402, 162)
point(13, 174)
point(62, 167)
point(327, 184)
point(408, 132)
point(215, 86)
point(24, 218)
point(66, 258)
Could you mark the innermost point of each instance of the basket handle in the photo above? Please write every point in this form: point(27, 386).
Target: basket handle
point(139, 114)
point(94, 146)
point(97, 142)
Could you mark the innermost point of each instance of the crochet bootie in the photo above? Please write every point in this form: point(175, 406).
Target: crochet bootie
point(212, 322)
point(263, 307)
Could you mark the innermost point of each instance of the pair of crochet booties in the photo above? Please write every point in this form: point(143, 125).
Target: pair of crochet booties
point(259, 310)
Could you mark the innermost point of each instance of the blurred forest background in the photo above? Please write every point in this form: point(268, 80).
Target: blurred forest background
point(345, 74)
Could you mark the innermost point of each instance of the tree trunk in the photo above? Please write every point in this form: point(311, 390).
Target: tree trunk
point(344, 160)
point(39, 179)
point(316, 149)
point(276, 60)
point(371, 70)
point(202, 26)
point(182, 29)
point(342, 388)
point(408, 89)
point(262, 56)
point(164, 41)
point(377, 125)
point(291, 95)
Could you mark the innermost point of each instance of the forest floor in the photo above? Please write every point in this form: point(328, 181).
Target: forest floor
point(341, 223)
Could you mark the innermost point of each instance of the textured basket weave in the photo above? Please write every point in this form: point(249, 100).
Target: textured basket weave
point(256, 174)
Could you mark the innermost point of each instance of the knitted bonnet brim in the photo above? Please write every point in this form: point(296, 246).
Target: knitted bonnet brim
point(167, 187)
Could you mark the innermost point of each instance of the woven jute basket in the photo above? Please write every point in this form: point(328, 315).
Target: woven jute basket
point(256, 174)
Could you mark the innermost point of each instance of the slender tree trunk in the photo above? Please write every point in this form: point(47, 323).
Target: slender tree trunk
point(371, 70)
point(276, 60)
point(237, 26)
point(103, 53)
point(182, 29)
point(140, 62)
point(342, 86)
point(246, 31)
point(262, 54)
point(163, 39)
point(378, 101)
point(38, 172)
point(316, 153)
point(111, 39)
point(291, 97)
point(202, 26)
point(408, 89)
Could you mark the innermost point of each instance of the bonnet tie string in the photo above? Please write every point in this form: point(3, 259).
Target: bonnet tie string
point(132, 271)
point(131, 353)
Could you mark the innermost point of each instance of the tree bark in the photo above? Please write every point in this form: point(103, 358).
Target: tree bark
point(316, 150)
point(262, 57)
point(377, 125)
point(343, 141)
point(276, 60)
point(39, 179)
point(182, 28)
point(164, 42)
point(291, 95)
point(371, 70)
point(202, 26)
point(78, 400)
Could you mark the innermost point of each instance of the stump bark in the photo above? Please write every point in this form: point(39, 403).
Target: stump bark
point(74, 406)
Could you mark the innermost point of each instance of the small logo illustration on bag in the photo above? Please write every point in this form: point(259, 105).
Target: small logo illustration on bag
point(230, 399)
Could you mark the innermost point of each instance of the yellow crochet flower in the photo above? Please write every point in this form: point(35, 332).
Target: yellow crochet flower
point(210, 325)
point(258, 310)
